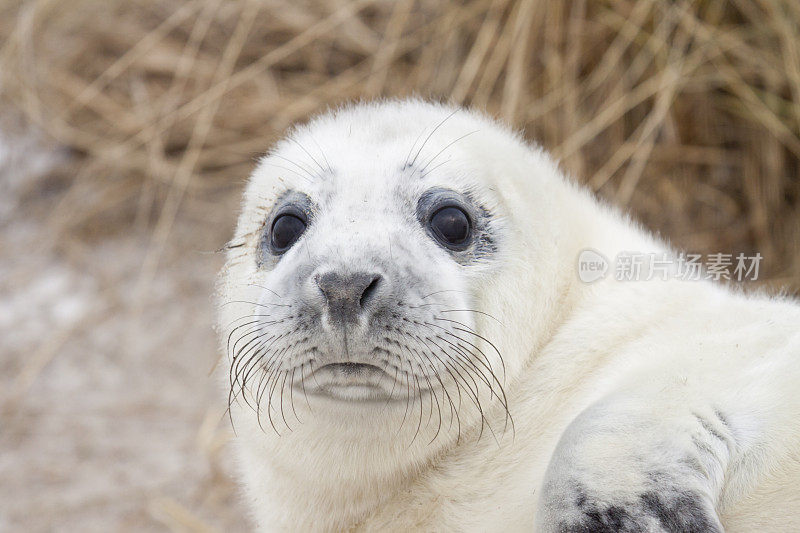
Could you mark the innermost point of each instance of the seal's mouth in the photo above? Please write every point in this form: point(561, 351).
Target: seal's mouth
point(352, 369)
point(350, 381)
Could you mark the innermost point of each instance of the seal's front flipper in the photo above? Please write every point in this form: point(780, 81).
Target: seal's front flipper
point(621, 467)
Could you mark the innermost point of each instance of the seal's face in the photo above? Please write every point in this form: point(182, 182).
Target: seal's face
point(363, 287)
point(355, 269)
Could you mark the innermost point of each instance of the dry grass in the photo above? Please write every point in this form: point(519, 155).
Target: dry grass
point(685, 113)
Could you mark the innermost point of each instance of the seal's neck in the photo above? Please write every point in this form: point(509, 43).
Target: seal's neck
point(337, 468)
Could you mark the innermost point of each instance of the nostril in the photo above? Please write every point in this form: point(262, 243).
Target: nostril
point(369, 291)
point(347, 295)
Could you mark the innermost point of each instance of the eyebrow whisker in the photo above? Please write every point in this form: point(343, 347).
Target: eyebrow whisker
point(432, 159)
point(428, 138)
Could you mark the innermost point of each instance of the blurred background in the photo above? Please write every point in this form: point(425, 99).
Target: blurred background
point(127, 129)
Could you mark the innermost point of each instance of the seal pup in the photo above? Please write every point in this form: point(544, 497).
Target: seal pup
point(410, 348)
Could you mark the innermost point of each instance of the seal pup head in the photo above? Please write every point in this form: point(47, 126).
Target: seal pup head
point(387, 269)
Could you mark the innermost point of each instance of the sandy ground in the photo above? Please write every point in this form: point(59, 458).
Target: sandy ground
point(109, 420)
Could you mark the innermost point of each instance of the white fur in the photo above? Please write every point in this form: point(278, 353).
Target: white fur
point(605, 382)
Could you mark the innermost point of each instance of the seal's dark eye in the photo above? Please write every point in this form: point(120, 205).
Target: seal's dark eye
point(451, 226)
point(286, 229)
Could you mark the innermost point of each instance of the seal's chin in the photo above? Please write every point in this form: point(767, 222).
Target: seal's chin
point(351, 381)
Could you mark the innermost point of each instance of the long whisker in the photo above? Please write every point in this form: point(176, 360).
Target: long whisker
point(432, 390)
point(427, 172)
point(428, 138)
point(321, 151)
point(483, 360)
point(419, 424)
point(447, 395)
point(241, 372)
point(314, 159)
point(290, 170)
point(472, 394)
point(229, 302)
point(251, 284)
point(454, 409)
point(291, 395)
point(448, 368)
point(441, 292)
point(310, 175)
point(472, 311)
point(432, 159)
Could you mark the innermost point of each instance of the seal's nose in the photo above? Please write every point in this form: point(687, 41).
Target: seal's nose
point(347, 295)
